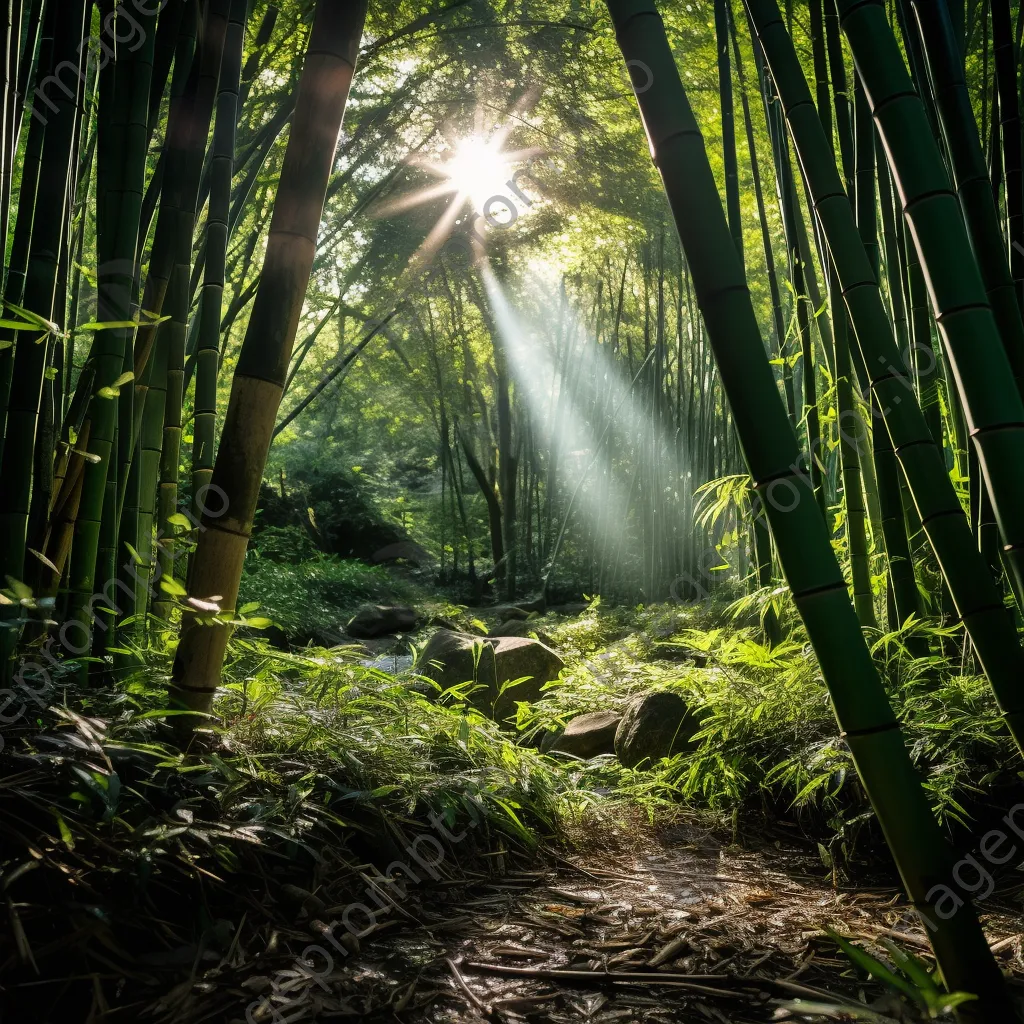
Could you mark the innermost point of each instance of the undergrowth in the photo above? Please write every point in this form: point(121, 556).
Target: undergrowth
point(122, 857)
point(311, 600)
point(327, 768)
point(769, 739)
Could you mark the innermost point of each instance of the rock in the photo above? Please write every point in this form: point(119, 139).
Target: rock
point(516, 627)
point(442, 623)
point(507, 613)
point(404, 550)
point(575, 608)
point(375, 620)
point(653, 727)
point(680, 652)
point(379, 646)
point(589, 735)
point(448, 659)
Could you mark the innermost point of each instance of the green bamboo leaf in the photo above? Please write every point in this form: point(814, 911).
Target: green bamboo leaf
point(65, 832)
point(178, 519)
point(18, 325)
point(169, 585)
point(21, 592)
point(42, 558)
point(916, 970)
point(111, 325)
point(34, 318)
point(248, 609)
point(949, 1001)
point(163, 713)
point(106, 325)
point(864, 960)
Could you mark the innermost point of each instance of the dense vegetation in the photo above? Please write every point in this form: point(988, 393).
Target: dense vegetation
point(349, 349)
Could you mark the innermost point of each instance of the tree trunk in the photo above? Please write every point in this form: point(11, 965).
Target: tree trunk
point(263, 361)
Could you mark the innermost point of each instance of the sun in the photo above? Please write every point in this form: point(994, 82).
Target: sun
point(472, 171)
point(478, 169)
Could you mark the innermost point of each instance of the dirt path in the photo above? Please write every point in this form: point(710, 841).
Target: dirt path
point(680, 928)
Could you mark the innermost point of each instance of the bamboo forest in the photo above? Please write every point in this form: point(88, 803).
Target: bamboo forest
point(511, 511)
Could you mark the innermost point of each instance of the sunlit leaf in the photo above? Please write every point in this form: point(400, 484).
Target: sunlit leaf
point(39, 322)
point(42, 558)
point(65, 833)
point(22, 592)
point(113, 325)
point(169, 585)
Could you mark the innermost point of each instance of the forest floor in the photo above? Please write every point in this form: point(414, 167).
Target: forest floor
point(638, 924)
point(146, 886)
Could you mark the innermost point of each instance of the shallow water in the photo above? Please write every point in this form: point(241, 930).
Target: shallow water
point(393, 663)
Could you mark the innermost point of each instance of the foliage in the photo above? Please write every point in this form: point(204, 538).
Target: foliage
point(311, 599)
point(908, 975)
point(322, 766)
point(768, 738)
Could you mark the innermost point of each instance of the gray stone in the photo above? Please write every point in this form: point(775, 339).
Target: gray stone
point(680, 652)
point(655, 726)
point(509, 612)
point(573, 608)
point(589, 735)
point(442, 623)
point(375, 620)
point(449, 659)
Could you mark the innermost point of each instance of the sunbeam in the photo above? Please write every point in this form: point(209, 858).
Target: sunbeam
point(561, 412)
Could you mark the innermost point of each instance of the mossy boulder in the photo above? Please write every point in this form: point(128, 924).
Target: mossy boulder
point(655, 726)
point(451, 658)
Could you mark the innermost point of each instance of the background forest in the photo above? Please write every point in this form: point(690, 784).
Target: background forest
point(598, 425)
